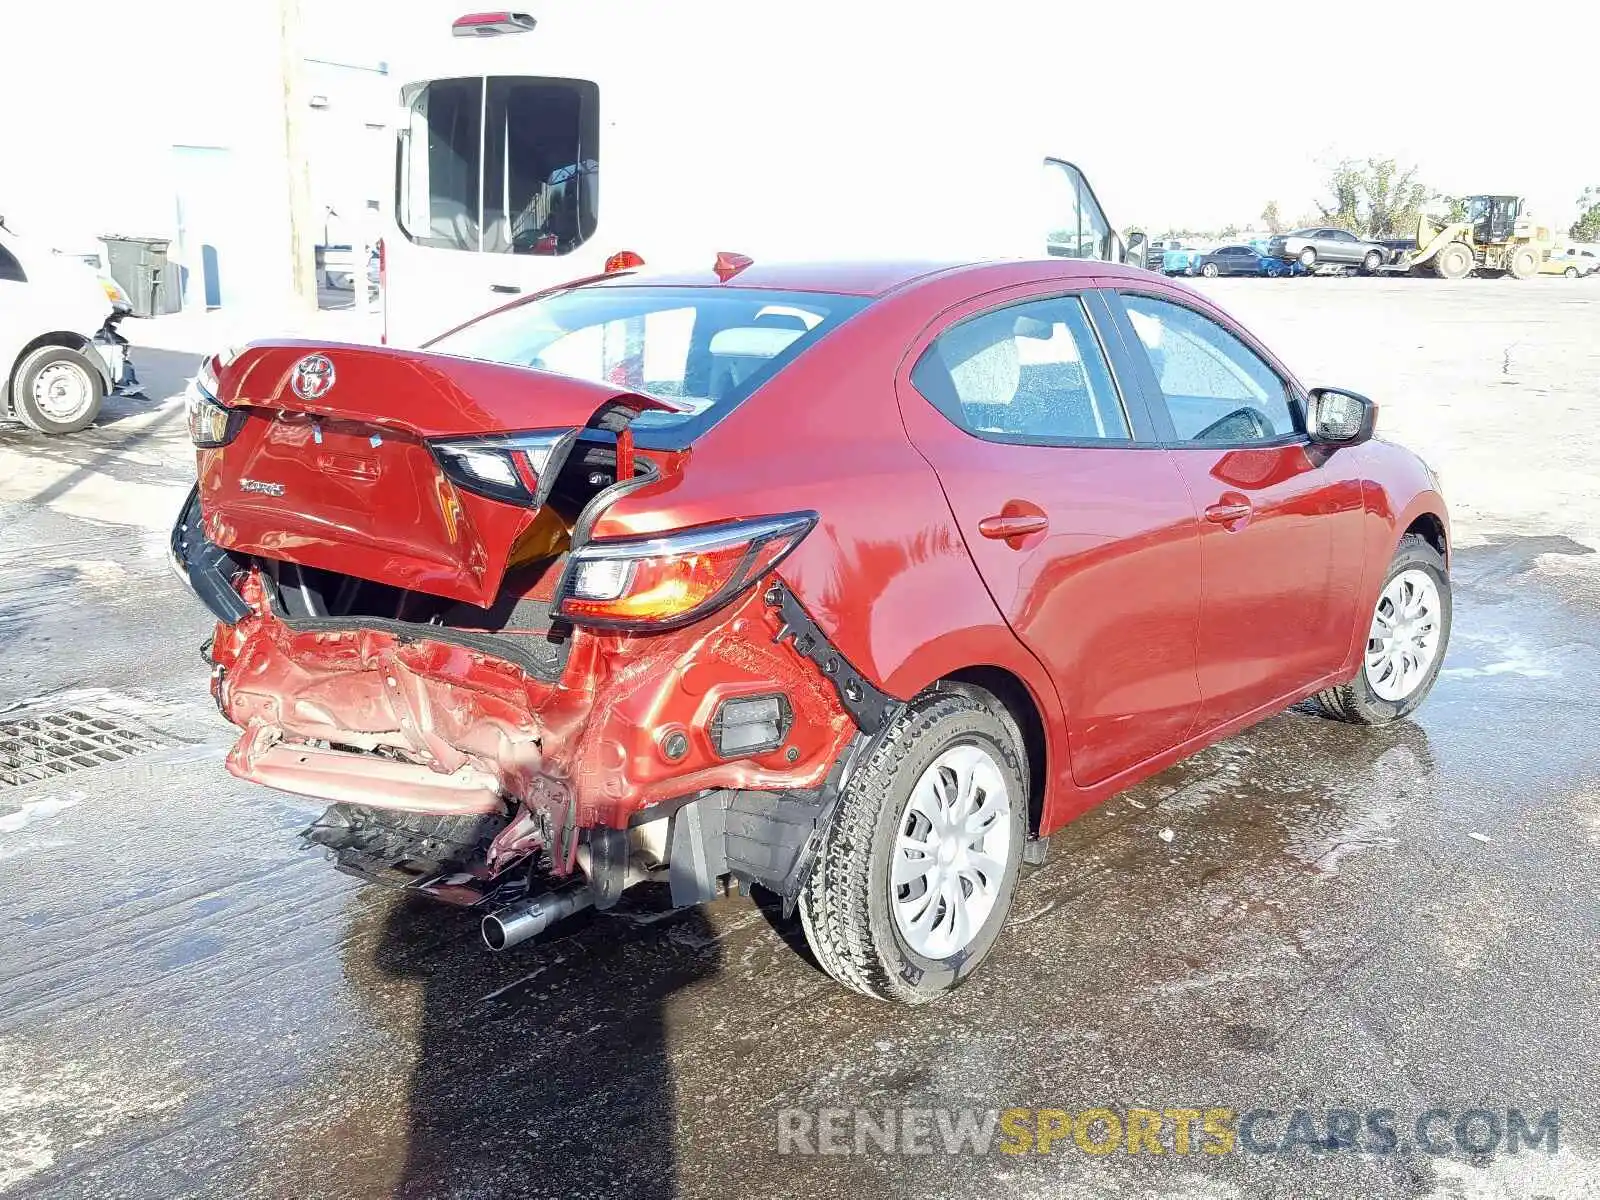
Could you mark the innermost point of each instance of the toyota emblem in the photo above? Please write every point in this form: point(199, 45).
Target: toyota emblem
point(312, 378)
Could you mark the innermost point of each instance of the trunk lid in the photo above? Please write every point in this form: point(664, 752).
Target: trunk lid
point(331, 467)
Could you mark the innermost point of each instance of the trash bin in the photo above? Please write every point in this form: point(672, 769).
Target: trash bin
point(140, 266)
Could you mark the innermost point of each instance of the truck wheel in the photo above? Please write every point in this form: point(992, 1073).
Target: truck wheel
point(1453, 261)
point(1405, 642)
point(914, 877)
point(56, 390)
point(1371, 263)
point(1524, 262)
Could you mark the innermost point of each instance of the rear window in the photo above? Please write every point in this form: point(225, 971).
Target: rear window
point(505, 165)
point(707, 348)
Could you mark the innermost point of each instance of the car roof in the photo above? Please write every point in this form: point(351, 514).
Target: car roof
point(863, 277)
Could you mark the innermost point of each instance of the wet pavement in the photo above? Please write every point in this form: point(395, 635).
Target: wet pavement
point(1400, 919)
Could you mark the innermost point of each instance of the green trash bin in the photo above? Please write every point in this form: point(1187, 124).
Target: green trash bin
point(140, 266)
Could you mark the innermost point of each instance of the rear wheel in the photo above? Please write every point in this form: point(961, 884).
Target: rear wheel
point(1453, 261)
point(914, 878)
point(57, 390)
point(1524, 263)
point(1406, 641)
point(1308, 257)
point(1209, 270)
point(1371, 263)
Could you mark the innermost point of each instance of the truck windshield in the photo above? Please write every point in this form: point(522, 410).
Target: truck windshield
point(707, 348)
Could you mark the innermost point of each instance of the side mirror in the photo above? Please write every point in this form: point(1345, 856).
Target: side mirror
point(1134, 253)
point(1335, 417)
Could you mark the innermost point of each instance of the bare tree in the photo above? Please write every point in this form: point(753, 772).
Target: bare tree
point(1271, 218)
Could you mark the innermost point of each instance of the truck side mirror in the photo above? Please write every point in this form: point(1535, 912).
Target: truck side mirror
point(1134, 252)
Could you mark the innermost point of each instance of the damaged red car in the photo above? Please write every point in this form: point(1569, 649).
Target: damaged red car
point(851, 581)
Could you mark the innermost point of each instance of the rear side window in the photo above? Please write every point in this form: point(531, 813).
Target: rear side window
point(1029, 373)
point(1216, 388)
point(10, 269)
point(504, 165)
point(707, 348)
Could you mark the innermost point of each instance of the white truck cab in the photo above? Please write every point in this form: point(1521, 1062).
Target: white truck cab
point(717, 127)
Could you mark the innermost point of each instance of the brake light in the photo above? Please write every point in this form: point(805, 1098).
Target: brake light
point(503, 466)
point(211, 424)
point(667, 581)
point(624, 260)
point(491, 24)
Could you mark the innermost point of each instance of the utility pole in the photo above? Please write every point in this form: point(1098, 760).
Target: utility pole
point(302, 238)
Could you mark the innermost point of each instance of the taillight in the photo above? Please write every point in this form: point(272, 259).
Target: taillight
point(211, 424)
point(503, 466)
point(666, 581)
point(624, 260)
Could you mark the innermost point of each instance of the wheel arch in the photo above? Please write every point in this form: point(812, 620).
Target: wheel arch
point(1430, 526)
point(1016, 699)
point(66, 340)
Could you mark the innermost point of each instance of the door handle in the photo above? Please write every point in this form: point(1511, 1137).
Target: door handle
point(1226, 512)
point(1006, 526)
point(506, 289)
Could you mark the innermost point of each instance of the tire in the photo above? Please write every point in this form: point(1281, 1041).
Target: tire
point(1370, 699)
point(855, 918)
point(1371, 263)
point(1571, 272)
point(1307, 258)
point(1209, 270)
point(1454, 261)
point(56, 390)
point(1524, 262)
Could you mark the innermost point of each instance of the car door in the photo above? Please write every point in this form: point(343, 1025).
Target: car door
point(1281, 522)
point(1086, 539)
point(1345, 246)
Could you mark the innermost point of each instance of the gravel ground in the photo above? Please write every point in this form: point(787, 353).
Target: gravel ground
point(1398, 920)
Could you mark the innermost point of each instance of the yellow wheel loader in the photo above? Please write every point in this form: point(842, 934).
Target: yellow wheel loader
point(1497, 238)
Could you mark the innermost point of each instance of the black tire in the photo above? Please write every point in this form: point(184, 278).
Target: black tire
point(1355, 701)
point(1209, 270)
point(845, 904)
point(1307, 258)
point(1523, 263)
point(1371, 263)
point(1571, 272)
point(1454, 261)
point(28, 409)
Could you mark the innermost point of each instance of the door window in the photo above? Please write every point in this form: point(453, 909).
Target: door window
point(10, 269)
point(507, 165)
point(1216, 389)
point(1030, 373)
point(1075, 226)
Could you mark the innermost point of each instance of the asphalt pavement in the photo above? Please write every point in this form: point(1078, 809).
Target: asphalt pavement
point(1310, 916)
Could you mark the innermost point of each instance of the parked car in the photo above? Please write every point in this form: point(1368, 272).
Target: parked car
point(60, 352)
point(1172, 257)
point(1572, 263)
point(1334, 247)
point(1245, 260)
point(854, 581)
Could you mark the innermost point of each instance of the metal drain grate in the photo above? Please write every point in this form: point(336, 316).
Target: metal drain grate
point(51, 745)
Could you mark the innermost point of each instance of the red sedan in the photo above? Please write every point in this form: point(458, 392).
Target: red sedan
point(851, 581)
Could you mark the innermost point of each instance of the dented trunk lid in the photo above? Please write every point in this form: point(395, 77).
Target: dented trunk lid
point(331, 466)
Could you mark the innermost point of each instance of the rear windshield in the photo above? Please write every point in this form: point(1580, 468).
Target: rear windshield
point(707, 348)
point(507, 165)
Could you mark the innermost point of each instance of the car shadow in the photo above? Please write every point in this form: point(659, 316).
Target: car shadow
point(544, 1070)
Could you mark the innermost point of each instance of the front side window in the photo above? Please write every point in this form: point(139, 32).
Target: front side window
point(1075, 227)
point(505, 165)
point(707, 348)
point(1216, 389)
point(1029, 372)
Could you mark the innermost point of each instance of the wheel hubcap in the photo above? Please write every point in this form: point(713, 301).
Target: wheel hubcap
point(950, 854)
point(61, 391)
point(1404, 639)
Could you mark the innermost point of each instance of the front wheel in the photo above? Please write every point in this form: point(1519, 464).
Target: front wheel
point(1371, 263)
point(1571, 272)
point(1308, 258)
point(1209, 270)
point(55, 390)
point(1406, 640)
point(915, 874)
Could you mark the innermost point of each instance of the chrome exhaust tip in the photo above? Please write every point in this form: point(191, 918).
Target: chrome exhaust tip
point(516, 923)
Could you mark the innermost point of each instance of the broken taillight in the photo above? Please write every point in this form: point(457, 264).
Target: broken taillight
point(665, 581)
point(211, 424)
point(503, 466)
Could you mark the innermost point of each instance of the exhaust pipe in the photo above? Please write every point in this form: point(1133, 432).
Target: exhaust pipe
point(516, 923)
